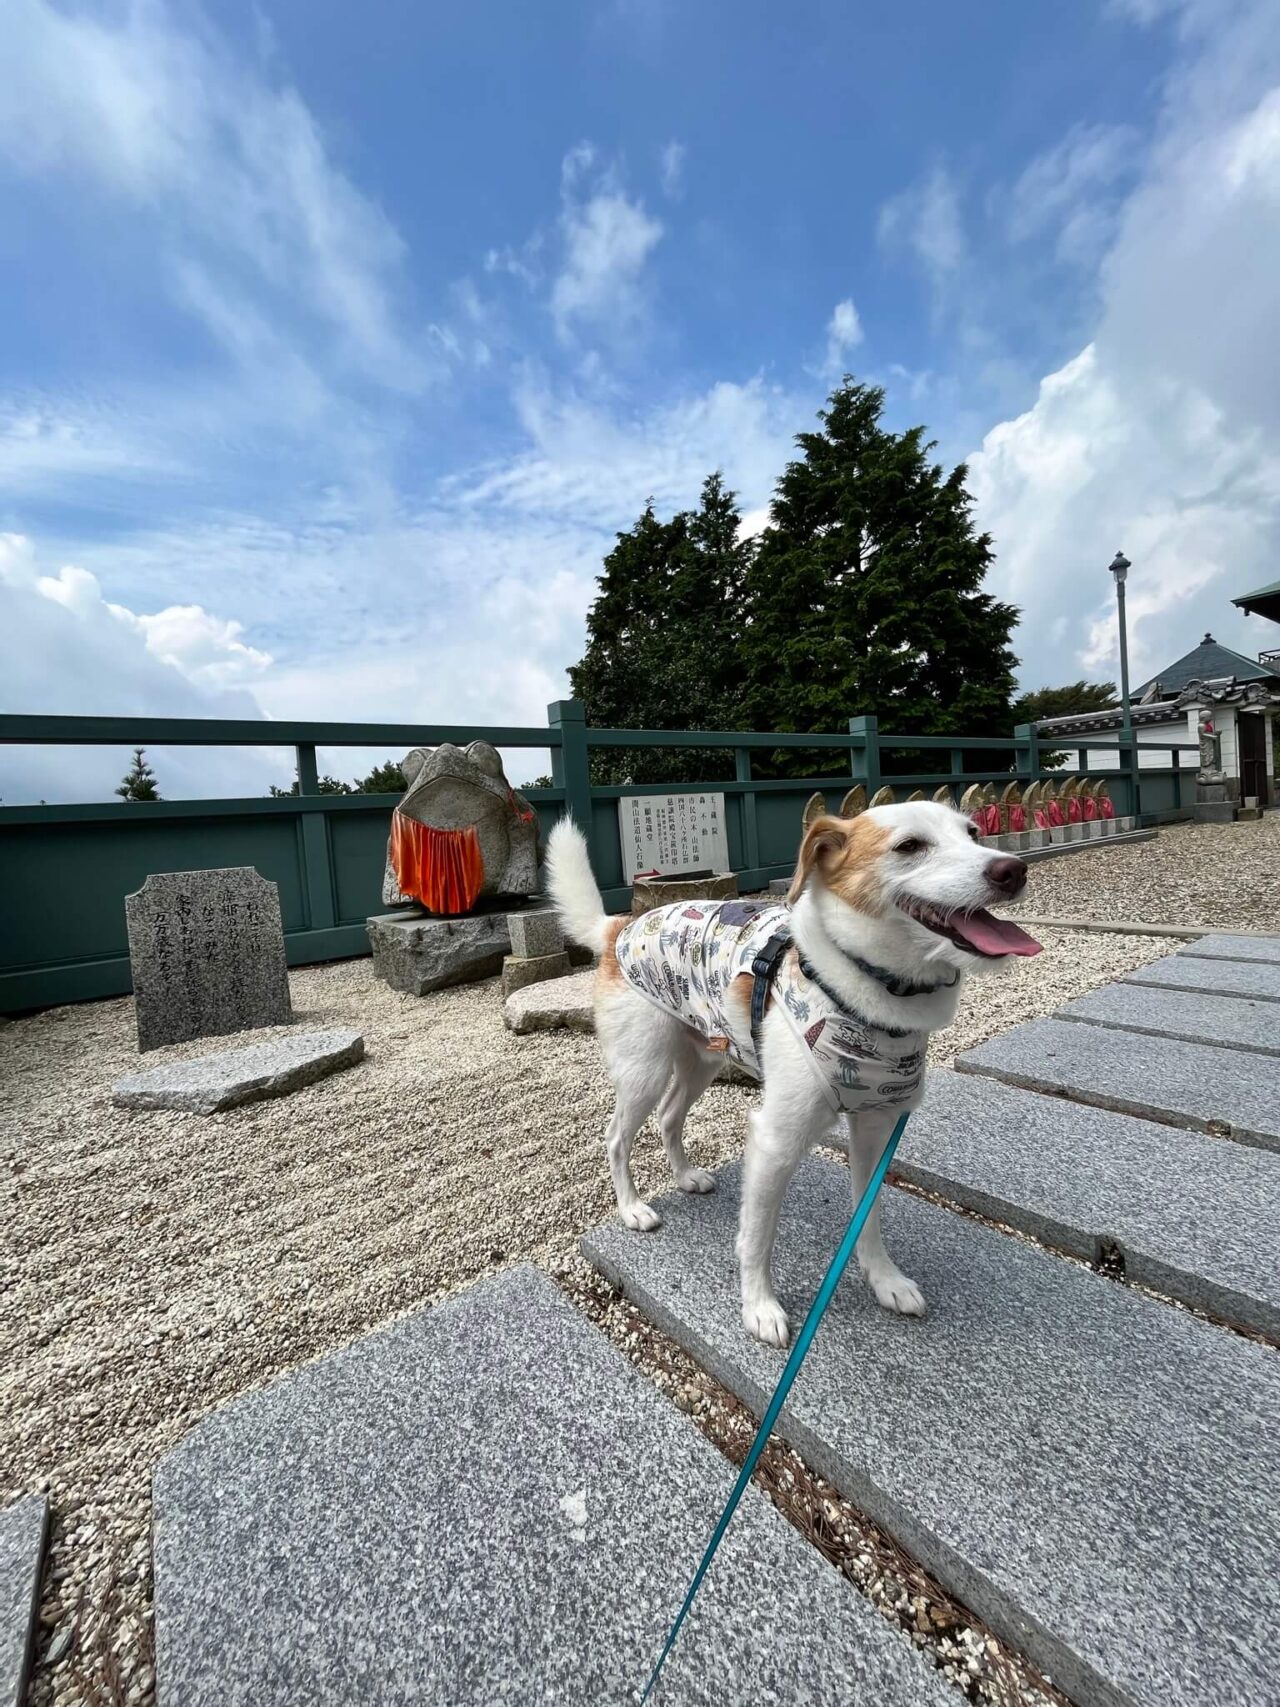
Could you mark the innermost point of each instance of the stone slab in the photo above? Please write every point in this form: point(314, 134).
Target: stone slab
point(211, 1083)
point(485, 1503)
point(1259, 980)
point(1221, 1091)
point(518, 973)
point(1192, 1217)
point(1086, 1468)
point(416, 954)
point(535, 934)
point(206, 953)
point(24, 1528)
point(1228, 1022)
point(559, 1004)
point(1221, 946)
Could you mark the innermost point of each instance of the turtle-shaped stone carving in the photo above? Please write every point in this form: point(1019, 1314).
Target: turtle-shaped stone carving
point(461, 833)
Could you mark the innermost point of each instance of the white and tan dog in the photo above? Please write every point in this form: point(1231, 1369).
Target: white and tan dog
point(887, 917)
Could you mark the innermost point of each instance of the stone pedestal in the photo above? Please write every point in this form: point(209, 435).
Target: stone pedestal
point(650, 892)
point(521, 970)
point(415, 953)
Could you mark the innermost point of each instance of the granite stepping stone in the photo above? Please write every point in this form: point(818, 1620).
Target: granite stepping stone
point(1258, 980)
point(485, 1503)
point(1221, 1091)
point(210, 1083)
point(1228, 1022)
point(1224, 947)
point(556, 1004)
point(1192, 1217)
point(1091, 1471)
point(23, 1531)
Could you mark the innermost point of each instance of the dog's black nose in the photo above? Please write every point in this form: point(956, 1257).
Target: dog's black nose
point(1009, 876)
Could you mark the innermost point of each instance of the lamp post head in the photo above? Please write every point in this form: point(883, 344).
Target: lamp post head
point(1119, 567)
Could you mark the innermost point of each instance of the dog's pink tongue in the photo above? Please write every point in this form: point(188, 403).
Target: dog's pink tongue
point(990, 935)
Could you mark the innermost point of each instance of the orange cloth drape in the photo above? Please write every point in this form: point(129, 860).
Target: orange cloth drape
point(443, 869)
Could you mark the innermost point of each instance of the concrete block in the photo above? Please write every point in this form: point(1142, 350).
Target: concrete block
point(1222, 1091)
point(1211, 812)
point(1223, 946)
point(1228, 1022)
point(1192, 1217)
point(517, 974)
point(23, 1530)
point(1259, 980)
point(484, 1504)
point(236, 1076)
point(414, 953)
point(1084, 1467)
point(535, 934)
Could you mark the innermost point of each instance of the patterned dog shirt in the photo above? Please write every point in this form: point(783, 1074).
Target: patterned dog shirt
point(684, 959)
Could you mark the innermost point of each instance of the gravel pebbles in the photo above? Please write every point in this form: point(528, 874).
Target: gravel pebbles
point(155, 1264)
point(1226, 875)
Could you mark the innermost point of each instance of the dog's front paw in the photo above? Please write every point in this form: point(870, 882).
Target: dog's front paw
point(697, 1180)
point(894, 1291)
point(640, 1217)
point(766, 1321)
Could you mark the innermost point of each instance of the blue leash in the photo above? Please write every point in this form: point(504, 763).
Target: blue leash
point(804, 1339)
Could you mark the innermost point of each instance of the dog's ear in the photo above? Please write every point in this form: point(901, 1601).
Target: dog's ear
point(823, 838)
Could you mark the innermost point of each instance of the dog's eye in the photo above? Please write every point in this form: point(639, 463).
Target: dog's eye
point(973, 832)
point(912, 845)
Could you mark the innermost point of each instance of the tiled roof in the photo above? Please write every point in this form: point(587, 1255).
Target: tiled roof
point(1207, 662)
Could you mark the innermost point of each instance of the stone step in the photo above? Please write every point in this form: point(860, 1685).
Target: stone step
point(24, 1527)
point(1224, 947)
point(1259, 980)
point(1227, 1022)
point(1089, 1470)
point(1192, 1217)
point(1221, 1091)
point(209, 1083)
point(485, 1503)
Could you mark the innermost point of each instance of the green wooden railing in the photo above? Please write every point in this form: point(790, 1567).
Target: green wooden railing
point(65, 870)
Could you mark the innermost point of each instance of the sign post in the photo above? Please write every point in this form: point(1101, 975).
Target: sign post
point(672, 835)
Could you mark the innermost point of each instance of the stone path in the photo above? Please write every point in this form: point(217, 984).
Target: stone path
point(1089, 1470)
point(1258, 980)
point(1222, 1091)
point(210, 1083)
point(1192, 1217)
point(23, 1528)
point(1228, 1022)
point(485, 1503)
point(1223, 947)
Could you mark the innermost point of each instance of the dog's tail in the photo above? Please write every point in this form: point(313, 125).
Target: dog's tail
point(571, 884)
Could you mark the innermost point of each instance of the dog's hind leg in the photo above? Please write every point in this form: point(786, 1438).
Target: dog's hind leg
point(868, 1135)
point(640, 1044)
point(695, 1068)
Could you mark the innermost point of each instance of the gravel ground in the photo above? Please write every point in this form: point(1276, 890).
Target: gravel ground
point(152, 1265)
point(1226, 875)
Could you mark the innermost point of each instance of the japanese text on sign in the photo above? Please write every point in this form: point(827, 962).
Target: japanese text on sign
point(664, 835)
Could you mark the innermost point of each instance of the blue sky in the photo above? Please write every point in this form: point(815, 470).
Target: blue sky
point(336, 342)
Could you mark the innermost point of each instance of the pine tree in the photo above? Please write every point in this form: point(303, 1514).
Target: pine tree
point(662, 649)
point(139, 782)
point(865, 594)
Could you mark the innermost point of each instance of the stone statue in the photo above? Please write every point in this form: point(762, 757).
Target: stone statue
point(461, 833)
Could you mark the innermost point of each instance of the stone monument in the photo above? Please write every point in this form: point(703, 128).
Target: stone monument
point(206, 949)
point(462, 843)
point(461, 833)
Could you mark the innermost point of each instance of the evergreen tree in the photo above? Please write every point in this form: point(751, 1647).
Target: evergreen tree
point(385, 778)
point(139, 782)
point(865, 594)
point(324, 785)
point(663, 639)
point(1068, 701)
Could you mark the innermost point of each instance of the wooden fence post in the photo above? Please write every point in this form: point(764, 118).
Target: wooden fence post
point(317, 866)
point(750, 827)
point(570, 763)
point(864, 760)
point(1027, 742)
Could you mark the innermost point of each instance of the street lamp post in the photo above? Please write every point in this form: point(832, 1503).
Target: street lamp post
point(1119, 567)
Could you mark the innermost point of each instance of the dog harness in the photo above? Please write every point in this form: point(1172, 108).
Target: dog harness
point(685, 958)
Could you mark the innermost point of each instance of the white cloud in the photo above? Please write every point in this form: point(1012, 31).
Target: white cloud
point(671, 170)
point(1071, 190)
point(607, 239)
point(226, 170)
point(926, 220)
point(66, 649)
point(844, 332)
point(1162, 436)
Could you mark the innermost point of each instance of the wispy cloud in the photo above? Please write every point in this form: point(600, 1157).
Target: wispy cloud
point(844, 333)
point(926, 220)
point(1072, 190)
point(607, 239)
point(671, 170)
